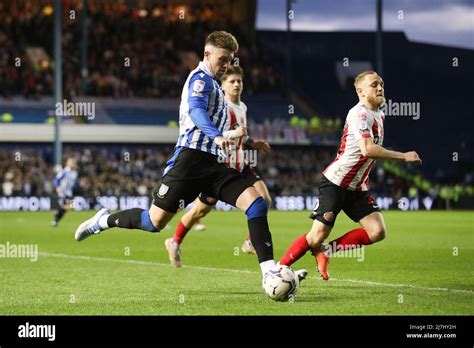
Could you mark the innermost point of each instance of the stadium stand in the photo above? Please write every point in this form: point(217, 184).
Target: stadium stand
point(115, 170)
point(146, 92)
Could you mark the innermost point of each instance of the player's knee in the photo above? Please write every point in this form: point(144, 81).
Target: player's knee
point(201, 212)
point(311, 239)
point(268, 200)
point(376, 233)
point(381, 233)
point(319, 232)
point(151, 221)
point(314, 238)
point(258, 208)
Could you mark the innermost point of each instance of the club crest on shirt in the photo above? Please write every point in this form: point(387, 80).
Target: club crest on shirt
point(163, 190)
point(362, 115)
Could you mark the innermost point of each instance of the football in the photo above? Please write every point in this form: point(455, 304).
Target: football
point(280, 284)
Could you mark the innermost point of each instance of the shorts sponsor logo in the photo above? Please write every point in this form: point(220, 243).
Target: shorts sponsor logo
point(316, 206)
point(371, 201)
point(329, 216)
point(163, 190)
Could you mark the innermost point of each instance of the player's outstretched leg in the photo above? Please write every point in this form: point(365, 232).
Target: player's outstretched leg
point(309, 241)
point(247, 246)
point(91, 226)
point(256, 210)
point(259, 231)
point(173, 245)
point(134, 218)
point(372, 231)
point(58, 215)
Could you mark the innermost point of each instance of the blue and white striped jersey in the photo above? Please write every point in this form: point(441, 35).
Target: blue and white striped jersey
point(65, 181)
point(201, 90)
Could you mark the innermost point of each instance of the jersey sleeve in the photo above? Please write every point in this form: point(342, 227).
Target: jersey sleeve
point(359, 124)
point(58, 178)
point(200, 88)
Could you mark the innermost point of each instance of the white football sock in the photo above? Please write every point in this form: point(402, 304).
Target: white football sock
point(103, 222)
point(266, 265)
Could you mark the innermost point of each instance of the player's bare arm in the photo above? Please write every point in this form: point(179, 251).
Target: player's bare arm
point(374, 151)
point(259, 145)
point(239, 132)
point(224, 143)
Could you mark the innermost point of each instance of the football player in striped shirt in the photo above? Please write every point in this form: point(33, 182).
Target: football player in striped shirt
point(345, 182)
point(232, 85)
point(195, 166)
point(64, 183)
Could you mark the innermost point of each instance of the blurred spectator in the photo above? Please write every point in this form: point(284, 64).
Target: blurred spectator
point(135, 48)
point(114, 170)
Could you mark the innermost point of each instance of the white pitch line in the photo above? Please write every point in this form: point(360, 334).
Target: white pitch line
point(467, 291)
point(216, 269)
point(144, 263)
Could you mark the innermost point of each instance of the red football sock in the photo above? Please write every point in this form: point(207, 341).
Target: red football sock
point(350, 240)
point(248, 236)
point(296, 251)
point(180, 233)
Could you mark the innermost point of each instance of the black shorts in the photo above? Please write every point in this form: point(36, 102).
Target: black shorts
point(333, 198)
point(252, 174)
point(193, 172)
point(58, 203)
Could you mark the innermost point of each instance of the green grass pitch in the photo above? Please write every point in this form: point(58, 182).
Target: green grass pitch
point(423, 267)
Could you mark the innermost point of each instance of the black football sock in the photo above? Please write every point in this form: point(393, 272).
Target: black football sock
point(261, 238)
point(59, 214)
point(132, 218)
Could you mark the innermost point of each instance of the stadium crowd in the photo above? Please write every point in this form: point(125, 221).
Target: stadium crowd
point(134, 49)
point(114, 170)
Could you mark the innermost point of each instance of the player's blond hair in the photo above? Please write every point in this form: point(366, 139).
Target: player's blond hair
point(361, 76)
point(222, 39)
point(233, 70)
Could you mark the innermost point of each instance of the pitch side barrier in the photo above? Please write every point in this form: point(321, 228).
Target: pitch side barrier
point(284, 203)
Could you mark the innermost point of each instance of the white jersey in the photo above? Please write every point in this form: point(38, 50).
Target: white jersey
point(350, 169)
point(237, 117)
point(201, 90)
point(65, 181)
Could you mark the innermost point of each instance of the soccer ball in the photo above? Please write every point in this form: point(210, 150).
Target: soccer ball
point(280, 283)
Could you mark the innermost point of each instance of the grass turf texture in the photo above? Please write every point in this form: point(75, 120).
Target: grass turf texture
point(412, 272)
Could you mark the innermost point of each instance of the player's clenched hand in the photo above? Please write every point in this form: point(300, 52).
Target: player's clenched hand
point(261, 145)
point(223, 143)
point(412, 157)
point(241, 131)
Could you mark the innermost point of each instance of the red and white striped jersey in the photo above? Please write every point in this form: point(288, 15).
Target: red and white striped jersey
point(238, 117)
point(350, 169)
